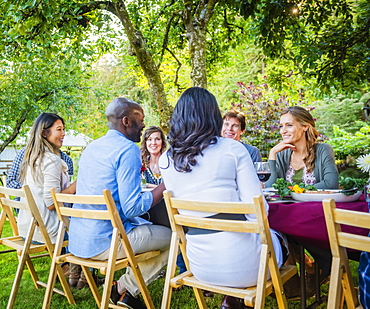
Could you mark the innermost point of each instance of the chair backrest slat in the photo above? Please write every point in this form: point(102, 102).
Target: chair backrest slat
point(352, 218)
point(9, 192)
point(85, 213)
point(81, 199)
point(217, 224)
point(14, 204)
point(215, 207)
point(356, 242)
point(8, 204)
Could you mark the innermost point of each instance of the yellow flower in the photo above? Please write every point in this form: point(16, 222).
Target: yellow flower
point(297, 189)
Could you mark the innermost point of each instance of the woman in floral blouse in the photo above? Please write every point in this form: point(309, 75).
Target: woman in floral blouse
point(152, 146)
point(299, 157)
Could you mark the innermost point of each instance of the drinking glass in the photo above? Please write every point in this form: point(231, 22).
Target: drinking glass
point(263, 171)
point(156, 171)
point(367, 192)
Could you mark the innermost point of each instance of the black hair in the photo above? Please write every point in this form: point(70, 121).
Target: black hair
point(196, 123)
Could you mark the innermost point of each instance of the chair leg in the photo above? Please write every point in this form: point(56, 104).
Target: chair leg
point(53, 269)
point(17, 279)
point(262, 278)
point(171, 269)
point(104, 301)
point(348, 286)
point(31, 268)
point(92, 285)
point(200, 298)
point(335, 285)
point(65, 285)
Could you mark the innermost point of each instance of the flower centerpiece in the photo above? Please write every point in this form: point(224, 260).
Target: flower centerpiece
point(143, 179)
point(363, 162)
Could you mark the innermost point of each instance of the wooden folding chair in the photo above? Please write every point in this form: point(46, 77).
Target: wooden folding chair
point(252, 296)
point(108, 212)
point(341, 281)
point(24, 247)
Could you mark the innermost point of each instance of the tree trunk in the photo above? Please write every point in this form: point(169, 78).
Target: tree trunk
point(146, 62)
point(15, 132)
point(196, 21)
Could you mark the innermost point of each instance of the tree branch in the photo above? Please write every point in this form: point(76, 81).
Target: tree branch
point(165, 39)
point(16, 129)
point(178, 86)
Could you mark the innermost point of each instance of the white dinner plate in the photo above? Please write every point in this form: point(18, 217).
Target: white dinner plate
point(269, 189)
point(317, 197)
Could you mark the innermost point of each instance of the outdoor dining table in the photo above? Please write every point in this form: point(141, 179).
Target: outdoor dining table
point(305, 222)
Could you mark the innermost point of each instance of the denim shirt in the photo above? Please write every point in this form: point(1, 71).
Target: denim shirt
point(111, 162)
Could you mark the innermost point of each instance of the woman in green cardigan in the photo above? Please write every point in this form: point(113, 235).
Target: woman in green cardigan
point(299, 157)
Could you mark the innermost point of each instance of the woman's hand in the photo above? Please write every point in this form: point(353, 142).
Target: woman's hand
point(280, 147)
point(71, 189)
point(51, 207)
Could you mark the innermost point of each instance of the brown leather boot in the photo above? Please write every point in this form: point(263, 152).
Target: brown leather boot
point(230, 302)
point(73, 279)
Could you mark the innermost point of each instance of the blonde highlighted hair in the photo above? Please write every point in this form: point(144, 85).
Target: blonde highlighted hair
point(304, 117)
point(38, 144)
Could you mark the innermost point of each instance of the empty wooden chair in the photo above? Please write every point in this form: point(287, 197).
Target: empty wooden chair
point(341, 281)
point(108, 212)
point(24, 247)
point(252, 296)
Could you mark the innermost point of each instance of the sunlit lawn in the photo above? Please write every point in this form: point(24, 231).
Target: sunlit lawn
point(29, 297)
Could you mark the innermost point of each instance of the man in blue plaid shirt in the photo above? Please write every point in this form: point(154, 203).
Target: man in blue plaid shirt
point(364, 279)
point(12, 177)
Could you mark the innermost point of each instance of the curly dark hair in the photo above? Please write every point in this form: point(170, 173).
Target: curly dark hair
point(196, 123)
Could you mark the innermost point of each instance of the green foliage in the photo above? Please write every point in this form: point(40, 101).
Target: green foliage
point(344, 111)
point(262, 106)
point(348, 183)
point(29, 88)
point(350, 144)
point(281, 185)
point(326, 41)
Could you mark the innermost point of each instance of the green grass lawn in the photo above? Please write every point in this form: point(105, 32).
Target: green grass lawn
point(29, 297)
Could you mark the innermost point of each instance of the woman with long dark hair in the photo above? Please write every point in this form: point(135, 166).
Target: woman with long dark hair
point(201, 165)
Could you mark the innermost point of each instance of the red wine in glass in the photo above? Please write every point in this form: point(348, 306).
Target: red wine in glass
point(263, 176)
point(263, 170)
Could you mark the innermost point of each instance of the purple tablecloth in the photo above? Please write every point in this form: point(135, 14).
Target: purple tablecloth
point(306, 222)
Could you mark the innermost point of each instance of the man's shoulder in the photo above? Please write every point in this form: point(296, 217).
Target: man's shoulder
point(250, 147)
point(111, 144)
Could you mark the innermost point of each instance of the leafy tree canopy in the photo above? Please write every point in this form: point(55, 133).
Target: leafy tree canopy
point(327, 39)
point(28, 88)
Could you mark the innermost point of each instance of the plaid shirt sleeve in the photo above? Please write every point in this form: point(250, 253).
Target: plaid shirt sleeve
point(364, 279)
point(67, 159)
point(13, 174)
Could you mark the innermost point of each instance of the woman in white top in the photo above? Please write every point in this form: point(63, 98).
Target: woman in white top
point(42, 169)
point(201, 165)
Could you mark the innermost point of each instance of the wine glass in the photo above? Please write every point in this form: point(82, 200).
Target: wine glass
point(367, 192)
point(263, 170)
point(156, 171)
